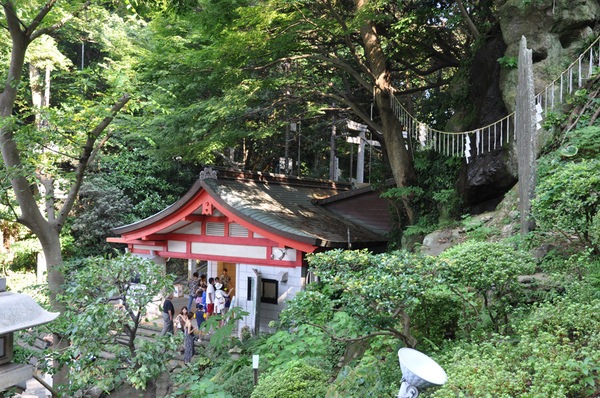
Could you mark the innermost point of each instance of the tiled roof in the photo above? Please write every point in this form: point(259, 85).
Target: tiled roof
point(287, 206)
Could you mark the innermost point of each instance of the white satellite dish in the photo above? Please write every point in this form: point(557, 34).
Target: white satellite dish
point(418, 373)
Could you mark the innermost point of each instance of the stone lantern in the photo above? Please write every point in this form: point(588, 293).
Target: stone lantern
point(17, 312)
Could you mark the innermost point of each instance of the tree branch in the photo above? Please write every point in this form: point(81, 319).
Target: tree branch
point(33, 34)
point(468, 19)
point(350, 340)
point(37, 20)
point(422, 88)
point(8, 7)
point(330, 59)
point(347, 40)
point(100, 145)
point(84, 160)
point(365, 118)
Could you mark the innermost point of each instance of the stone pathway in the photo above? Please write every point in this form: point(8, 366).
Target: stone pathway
point(35, 389)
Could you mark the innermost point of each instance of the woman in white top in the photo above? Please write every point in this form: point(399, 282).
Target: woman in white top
point(220, 296)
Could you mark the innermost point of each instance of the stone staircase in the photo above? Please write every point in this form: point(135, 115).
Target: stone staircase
point(146, 331)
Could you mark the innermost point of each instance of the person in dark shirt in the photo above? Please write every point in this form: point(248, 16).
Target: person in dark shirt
point(193, 285)
point(168, 311)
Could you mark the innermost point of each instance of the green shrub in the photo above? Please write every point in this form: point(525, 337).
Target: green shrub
point(508, 62)
point(25, 255)
point(375, 290)
point(375, 374)
point(477, 230)
point(568, 201)
point(100, 207)
point(298, 381)
point(586, 140)
point(241, 383)
point(284, 347)
point(484, 276)
point(556, 355)
point(436, 317)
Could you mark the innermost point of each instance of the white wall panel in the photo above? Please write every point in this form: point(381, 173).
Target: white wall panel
point(220, 249)
point(176, 246)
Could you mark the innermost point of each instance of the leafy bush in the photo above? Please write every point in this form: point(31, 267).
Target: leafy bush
point(241, 383)
point(376, 373)
point(508, 62)
point(375, 290)
point(436, 316)
point(484, 276)
point(476, 229)
point(586, 140)
point(100, 208)
point(434, 197)
point(283, 347)
point(24, 256)
point(299, 380)
point(195, 381)
point(95, 326)
point(568, 201)
point(203, 388)
point(556, 355)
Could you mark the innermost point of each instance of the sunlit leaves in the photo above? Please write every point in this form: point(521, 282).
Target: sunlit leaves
point(373, 289)
point(568, 200)
point(489, 272)
point(97, 326)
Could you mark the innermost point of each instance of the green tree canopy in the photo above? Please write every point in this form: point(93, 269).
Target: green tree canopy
point(244, 71)
point(375, 290)
point(104, 347)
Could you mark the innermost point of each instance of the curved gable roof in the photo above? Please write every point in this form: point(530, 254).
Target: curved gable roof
point(280, 205)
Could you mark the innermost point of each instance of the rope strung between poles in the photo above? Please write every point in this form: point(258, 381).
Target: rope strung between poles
point(495, 135)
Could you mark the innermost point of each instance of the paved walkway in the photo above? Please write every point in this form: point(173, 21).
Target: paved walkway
point(35, 389)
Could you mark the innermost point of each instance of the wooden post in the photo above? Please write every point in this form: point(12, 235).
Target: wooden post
point(332, 164)
point(526, 136)
point(257, 294)
point(360, 162)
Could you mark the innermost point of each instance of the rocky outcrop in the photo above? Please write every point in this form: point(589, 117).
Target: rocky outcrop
point(555, 31)
point(438, 241)
point(488, 175)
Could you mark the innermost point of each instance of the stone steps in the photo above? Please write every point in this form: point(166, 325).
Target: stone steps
point(146, 331)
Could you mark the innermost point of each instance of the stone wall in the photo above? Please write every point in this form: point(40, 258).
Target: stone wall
point(555, 31)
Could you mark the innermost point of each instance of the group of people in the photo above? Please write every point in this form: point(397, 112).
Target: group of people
point(210, 298)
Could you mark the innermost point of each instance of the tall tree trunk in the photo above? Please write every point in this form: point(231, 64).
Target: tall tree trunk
point(399, 156)
point(37, 93)
point(46, 230)
point(50, 240)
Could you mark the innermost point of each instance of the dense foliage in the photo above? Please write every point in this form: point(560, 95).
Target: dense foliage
point(376, 290)
point(568, 201)
point(243, 84)
point(484, 276)
point(106, 300)
point(299, 380)
point(553, 353)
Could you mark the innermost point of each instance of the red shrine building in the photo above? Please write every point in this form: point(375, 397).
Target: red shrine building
point(260, 227)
